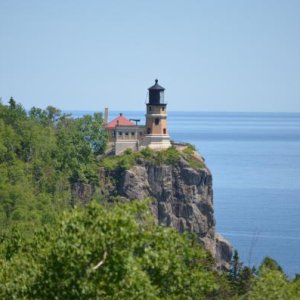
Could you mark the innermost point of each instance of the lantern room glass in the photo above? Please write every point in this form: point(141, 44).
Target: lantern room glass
point(162, 97)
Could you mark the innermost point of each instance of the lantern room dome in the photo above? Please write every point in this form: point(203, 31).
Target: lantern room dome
point(156, 94)
point(156, 87)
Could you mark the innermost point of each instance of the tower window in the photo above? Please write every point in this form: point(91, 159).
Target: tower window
point(148, 130)
point(149, 108)
point(165, 130)
point(156, 121)
point(163, 108)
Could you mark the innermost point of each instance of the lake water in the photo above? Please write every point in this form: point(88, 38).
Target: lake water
point(255, 162)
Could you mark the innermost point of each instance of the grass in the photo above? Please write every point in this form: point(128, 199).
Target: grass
point(192, 158)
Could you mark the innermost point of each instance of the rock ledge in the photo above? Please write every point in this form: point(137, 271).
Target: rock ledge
point(183, 199)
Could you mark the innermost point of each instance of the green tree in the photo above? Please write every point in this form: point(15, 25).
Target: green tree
point(236, 266)
point(12, 103)
point(240, 276)
point(53, 113)
point(43, 155)
point(113, 252)
point(271, 285)
point(271, 264)
point(92, 129)
point(39, 115)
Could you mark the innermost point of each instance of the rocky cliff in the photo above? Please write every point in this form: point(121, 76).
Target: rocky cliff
point(182, 197)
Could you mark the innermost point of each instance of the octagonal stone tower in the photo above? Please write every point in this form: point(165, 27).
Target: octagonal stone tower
point(157, 136)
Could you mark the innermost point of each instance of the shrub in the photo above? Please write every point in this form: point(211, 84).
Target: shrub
point(147, 152)
point(119, 162)
point(190, 149)
point(192, 159)
point(172, 156)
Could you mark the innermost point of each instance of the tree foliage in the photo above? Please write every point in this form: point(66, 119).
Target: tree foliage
point(99, 251)
point(106, 252)
point(273, 285)
point(42, 154)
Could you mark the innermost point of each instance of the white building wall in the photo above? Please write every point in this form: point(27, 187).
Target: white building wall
point(121, 146)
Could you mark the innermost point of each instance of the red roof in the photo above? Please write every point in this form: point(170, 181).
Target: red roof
point(120, 120)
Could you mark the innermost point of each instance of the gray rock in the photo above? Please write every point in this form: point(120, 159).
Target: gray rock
point(223, 252)
point(183, 199)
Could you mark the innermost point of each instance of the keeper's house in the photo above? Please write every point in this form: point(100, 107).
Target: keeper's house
point(124, 133)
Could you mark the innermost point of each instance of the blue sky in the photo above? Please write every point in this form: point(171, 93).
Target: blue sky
point(209, 55)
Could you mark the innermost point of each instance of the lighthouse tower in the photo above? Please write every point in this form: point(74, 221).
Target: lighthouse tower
point(157, 136)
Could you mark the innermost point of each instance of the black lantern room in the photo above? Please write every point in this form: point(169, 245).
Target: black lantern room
point(156, 94)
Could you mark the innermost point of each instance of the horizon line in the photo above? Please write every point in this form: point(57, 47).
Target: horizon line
point(187, 111)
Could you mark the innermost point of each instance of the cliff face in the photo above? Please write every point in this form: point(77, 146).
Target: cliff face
point(183, 199)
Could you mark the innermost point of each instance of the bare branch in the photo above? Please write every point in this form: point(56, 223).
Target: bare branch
point(100, 262)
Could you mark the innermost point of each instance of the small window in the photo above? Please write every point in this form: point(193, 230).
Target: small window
point(120, 133)
point(148, 130)
point(149, 108)
point(141, 133)
point(163, 108)
point(156, 121)
point(132, 133)
point(126, 133)
point(165, 130)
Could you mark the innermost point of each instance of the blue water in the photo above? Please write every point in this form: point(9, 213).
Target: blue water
point(255, 162)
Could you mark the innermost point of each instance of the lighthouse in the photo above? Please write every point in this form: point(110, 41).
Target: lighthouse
point(124, 134)
point(156, 135)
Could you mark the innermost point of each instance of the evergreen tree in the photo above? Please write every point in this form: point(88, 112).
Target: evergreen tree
point(271, 264)
point(12, 103)
point(236, 266)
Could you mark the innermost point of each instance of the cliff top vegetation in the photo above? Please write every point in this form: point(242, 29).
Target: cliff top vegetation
point(170, 156)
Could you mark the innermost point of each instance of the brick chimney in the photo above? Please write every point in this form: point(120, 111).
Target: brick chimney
point(105, 115)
